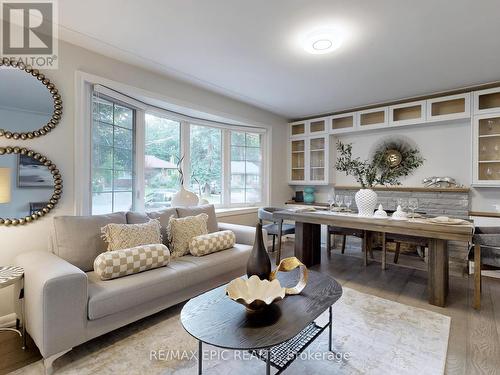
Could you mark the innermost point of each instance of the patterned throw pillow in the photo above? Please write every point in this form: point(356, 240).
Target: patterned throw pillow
point(180, 231)
point(211, 243)
point(125, 236)
point(112, 264)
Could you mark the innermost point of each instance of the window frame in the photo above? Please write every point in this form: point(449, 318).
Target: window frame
point(86, 84)
point(115, 102)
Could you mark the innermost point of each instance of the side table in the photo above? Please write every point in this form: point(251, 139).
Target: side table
point(10, 275)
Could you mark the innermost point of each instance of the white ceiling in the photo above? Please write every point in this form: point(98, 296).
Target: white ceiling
point(249, 50)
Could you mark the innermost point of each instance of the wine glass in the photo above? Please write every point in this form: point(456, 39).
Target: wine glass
point(413, 205)
point(331, 199)
point(348, 202)
point(339, 200)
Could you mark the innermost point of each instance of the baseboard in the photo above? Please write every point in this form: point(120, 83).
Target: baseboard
point(8, 320)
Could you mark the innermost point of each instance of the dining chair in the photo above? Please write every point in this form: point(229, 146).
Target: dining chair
point(344, 232)
point(420, 242)
point(485, 251)
point(275, 228)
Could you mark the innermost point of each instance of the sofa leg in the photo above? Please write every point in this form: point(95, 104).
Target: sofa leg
point(48, 362)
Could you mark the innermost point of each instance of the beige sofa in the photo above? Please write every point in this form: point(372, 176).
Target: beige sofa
point(67, 304)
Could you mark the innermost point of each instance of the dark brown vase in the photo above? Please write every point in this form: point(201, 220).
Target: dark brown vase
point(259, 263)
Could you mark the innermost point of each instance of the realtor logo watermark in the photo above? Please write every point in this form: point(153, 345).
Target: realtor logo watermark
point(29, 32)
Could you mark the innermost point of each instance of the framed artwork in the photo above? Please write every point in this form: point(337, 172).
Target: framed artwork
point(33, 174)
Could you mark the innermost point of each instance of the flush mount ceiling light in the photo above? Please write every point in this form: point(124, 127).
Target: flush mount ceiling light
point(321, 42)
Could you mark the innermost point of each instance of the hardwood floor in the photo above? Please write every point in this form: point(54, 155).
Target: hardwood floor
point(474, 345)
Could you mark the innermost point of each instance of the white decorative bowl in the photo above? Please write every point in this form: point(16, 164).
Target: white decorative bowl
point(254, 293)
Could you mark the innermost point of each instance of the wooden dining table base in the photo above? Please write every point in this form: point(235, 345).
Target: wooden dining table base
point(308, 250)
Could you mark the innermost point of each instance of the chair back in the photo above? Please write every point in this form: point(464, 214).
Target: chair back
point(266, 213)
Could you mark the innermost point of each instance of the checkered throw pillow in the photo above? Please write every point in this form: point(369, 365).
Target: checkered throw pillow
point(112, 264)
point(211, 243)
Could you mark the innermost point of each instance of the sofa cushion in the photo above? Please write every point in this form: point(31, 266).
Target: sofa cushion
point(77, 239)
point(208, 209)
point(163, 216)
point(112, 296)
point(124, 236)
point(118, 263)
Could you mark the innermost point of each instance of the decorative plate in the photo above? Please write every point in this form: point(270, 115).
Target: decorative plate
point(447, 220)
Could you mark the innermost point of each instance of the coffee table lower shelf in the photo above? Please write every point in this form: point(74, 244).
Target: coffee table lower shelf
point(282, 356)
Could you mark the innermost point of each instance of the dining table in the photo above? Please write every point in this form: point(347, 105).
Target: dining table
point(308, 239)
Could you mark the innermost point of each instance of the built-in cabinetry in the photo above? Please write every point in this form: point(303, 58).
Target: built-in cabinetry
point(450, 107)
point(309, 160)
point(309, 139)
point(486, 138)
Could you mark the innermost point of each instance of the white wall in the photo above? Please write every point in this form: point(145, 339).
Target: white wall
point(446, 148)
point(59, 145)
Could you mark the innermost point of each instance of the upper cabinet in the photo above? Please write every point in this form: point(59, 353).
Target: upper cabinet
point(318, 126)
point(373, 118)
point(486, 150)
point(487, 101)
point(297, 161)
point(309, 153)
point(407, 113)
point(343, 123)
point(298, 129)
point(318, 160)
point(448, 107)
point(308, 160)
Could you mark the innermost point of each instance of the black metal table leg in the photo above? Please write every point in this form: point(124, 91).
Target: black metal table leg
point(268, 362)
point(330, 330)
point(200, 357)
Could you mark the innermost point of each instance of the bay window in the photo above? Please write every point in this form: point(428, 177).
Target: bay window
point(136, 149)
point(205, 152)
point(113, 130)
point(162, 150)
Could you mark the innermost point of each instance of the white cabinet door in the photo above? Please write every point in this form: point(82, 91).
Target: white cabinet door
point(297, 161)
point(344, 123)
point(486, 150)
point(318, 162)
point(448, 107)
point(487, 101)
point(297, 129)
point(374, 118)
point(317, 126)
point(407, 113)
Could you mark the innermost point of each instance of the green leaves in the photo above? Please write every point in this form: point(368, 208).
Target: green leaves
point(378, 171)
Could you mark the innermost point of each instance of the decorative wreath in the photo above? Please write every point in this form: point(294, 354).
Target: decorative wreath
point(396, 159)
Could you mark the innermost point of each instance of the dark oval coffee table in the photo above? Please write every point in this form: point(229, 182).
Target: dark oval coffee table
point(288, 326)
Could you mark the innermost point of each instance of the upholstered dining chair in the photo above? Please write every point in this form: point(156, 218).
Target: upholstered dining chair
point(275, 228)
point(486, 251)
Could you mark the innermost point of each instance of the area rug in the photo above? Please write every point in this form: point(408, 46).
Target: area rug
point(371, 336)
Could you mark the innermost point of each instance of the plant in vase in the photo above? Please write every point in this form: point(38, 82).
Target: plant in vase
point(390, 162)
point(184, 197)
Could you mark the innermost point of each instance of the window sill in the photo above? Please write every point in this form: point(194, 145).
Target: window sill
point(223, 212)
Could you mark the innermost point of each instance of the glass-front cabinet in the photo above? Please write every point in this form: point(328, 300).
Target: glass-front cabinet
point(308, 160)
point(297, 161)
point(486, 150)
point(317, 159)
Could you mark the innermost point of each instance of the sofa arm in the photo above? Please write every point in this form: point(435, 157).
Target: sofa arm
point(244, 234)
point(56, 297)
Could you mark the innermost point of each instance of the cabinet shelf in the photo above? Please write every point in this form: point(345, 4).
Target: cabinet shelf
point(318, 150)
point(489, 135)
point(489, 161)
